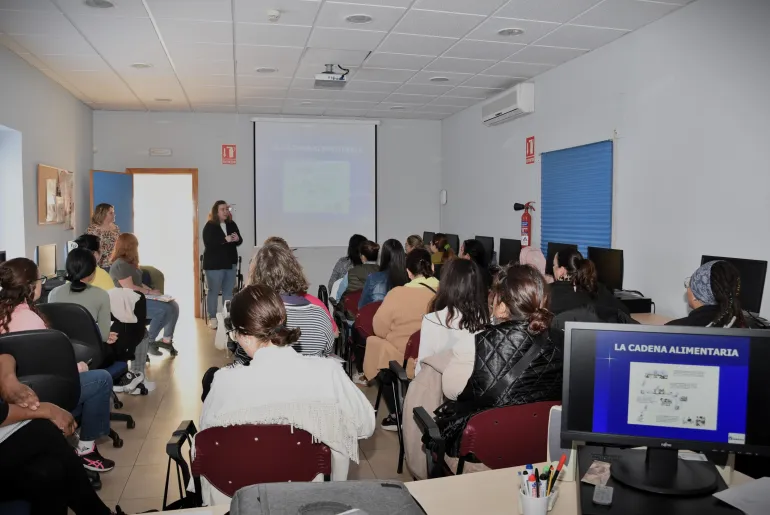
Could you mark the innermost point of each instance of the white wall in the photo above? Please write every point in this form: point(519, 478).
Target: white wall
point(11, 192)
point(409, 169)
point(688, 97)
point(56, 129)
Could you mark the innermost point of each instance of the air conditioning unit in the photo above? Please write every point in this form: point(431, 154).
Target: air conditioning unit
point(514, 103)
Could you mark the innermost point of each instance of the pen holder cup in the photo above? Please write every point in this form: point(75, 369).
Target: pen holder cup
point(536, 505)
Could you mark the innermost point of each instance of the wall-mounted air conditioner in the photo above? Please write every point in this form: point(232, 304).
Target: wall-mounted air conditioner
point(512, 104)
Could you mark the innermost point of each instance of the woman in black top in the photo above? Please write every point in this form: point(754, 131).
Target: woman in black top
point(474, 251)
point(576, 285)
point(221, 239)
point(713, 293)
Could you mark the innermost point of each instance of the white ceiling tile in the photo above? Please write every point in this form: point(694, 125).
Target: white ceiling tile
point(485, 7)
point(121, 9)
point(400, 98)
point(193, 31)
point(304, 111)
point(246, 95)
point(533, 30)
point(117, 106)
point(361, 96)
point(472, 49)
point(624, 14)
point(372, 86)
point(192, 66)
point(509, 69)
point(387, 3)
point(333, 14)
point(454, 78)
point(433, 116)
point(259, 109)
point(322, 56)
point(300, 83)
point(491, 82)
point(345, 39)
point(312, 94)
point(293, 12)
point(354, 104)
point(143, 45)
point(211, 94)
point(205, 10)
point(436, 23)
point(27, 5)
point(59, 79)
point(101, 86)
point(454, 64)
point(546, 55)
point(424, 89)
point(200, 52)
point(383, 113)
point(574, 36)
point(263, 81)
point(545, 10)
point(307, 103)
point(273, 35)
point(397, 61)
point(208, 80)
point(215, 108)
point(414, 44)
point(433, 108)
point(253, 57)
point(340, 111)
point(376, 74)
point(86, 63)
point(44, 45)
point(148, 89)
point(41, 23)
point(456, 101)
point(261, 102)
point(167, 106)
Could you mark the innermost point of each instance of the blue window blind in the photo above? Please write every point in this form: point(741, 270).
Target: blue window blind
point(576, 196)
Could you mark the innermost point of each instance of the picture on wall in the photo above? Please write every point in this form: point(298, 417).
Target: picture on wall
point(55, 195)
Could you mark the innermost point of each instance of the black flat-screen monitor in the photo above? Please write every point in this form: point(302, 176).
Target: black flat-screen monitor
point(488, 242)
point(510, 250)
point(753, 273)
point(666, 388)
point(454, 242)
point(46, 260)
point(427, 237)
point(3, 257)
point(609, 266)
point(553, 249)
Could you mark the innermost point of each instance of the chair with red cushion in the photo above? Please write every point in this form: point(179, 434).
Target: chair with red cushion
point(497, 437)
point(350, 303)
point(365, 319)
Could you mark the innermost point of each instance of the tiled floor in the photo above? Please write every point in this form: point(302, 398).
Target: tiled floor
point(137, 482)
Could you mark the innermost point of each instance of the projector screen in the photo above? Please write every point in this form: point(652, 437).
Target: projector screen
point(315, 183)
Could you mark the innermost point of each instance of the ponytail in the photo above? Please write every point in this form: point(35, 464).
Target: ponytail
point(81, 264)
point(418, 262)
point(522, 289)
point(580, 272)
point(726, 287)
point(441, 243)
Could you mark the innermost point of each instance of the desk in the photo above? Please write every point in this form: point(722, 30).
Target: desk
point(650, 319)
point(486, 493)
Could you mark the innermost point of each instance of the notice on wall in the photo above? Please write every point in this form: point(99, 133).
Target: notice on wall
point(228, 154)
point(531, 150)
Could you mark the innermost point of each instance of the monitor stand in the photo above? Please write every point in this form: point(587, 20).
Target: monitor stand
point(660, 471)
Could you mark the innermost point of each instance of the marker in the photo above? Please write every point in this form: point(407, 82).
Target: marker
point(558, 471)
point(523, 483)
point(537, 484)
point(532, 483)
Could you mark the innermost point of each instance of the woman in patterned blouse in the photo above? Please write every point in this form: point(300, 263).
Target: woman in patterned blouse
point(103, 226)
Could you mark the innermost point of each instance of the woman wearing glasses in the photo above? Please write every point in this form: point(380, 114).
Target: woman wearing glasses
point(20, 286)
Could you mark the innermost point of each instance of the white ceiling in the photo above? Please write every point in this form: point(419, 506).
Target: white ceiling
point(204, 53)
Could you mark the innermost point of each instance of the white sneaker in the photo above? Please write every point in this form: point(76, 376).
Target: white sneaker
point(359, 378)
point(213, 323)
point(149, 385)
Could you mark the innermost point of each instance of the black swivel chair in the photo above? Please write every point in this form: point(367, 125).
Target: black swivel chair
point(77, 323)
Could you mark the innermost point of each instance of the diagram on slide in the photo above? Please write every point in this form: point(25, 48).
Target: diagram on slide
point(316, 187)
point(668, 395)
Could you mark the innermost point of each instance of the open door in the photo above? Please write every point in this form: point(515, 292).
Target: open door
point(116, 189)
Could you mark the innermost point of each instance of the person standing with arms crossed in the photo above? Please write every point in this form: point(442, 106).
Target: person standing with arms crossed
point(221, 239)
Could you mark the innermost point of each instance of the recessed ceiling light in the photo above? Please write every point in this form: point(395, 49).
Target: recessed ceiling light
point(306, 103)
point(163, 100)
point(99, 4)
point(141, 66)
point(397, 108)
point(267, 69)
point(358, 18)
point(510, 32)
point(439, 79)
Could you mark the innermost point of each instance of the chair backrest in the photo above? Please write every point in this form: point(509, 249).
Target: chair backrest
point(412, 347)
point(130, 334)
point(365, 319)
point(233, 457)
point(80, 327)
point(323, 295)
point(509, 436)
point(350, 301)
point(45, 361)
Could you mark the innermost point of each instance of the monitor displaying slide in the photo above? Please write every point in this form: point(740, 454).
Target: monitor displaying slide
point(314, 182)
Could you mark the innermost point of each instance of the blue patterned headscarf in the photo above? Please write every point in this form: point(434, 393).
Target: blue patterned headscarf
point(700, 284)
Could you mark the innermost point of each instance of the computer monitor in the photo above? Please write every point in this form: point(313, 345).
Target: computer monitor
point(609, 266)
point(454, 242)
point(3, 257)
point(427, 237)
point(510, 250)
point(46, 260)
point(753, 273)
point(666, 388)
point(488, 242)
point(553, 249)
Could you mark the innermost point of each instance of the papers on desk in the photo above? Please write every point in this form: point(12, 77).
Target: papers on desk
point(752, 498)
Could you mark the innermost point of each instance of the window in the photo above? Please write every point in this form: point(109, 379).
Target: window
point(576, 196)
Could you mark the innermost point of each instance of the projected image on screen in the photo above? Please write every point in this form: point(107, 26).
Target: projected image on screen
point(316, 187)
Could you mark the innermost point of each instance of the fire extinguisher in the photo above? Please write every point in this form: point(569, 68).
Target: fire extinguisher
point(526, 222)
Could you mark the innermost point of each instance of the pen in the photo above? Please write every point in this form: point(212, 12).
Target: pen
point(558, 470)
point(537, 484)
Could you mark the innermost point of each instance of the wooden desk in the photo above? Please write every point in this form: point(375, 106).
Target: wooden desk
point(651, 319)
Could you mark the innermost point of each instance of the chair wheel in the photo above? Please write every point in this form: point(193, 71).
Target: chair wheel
point(117, 443)
point(117, 405)
point(131, 424)
point(143, 389)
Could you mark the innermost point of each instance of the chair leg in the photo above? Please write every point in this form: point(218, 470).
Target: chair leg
point(379, 396)
point(123, 417)
point(400, 433)
point(460, 466)
point(116, 402)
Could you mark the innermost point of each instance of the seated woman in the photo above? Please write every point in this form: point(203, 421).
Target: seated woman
point(713, 294)
point(398, 318)
point(492, 378)
point(93, 245)
point(458, 312)
point(347, 262)
point(440, 249)
point(284, 387)
point(356, 276)
point(534, 257)
point(125, 273)
point(474, 251)
point(277, 268)
point(38, 464)
point(413, 242)
point(20, 285)
point(392, 273)
point(576, 285)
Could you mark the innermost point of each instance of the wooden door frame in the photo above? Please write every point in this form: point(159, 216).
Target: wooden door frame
point(193, 172)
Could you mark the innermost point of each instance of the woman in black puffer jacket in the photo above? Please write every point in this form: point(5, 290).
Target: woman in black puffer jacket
point(515, 362)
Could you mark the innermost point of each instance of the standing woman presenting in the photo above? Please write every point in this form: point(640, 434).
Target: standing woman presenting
point(221, 239)
point(103, 226)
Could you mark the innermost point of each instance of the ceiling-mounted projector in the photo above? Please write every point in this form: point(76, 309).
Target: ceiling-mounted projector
point(331, 79)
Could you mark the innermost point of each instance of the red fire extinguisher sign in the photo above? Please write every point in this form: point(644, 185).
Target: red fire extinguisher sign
point(530, 150)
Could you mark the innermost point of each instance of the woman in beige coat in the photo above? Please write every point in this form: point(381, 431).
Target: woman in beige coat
point(397, 319)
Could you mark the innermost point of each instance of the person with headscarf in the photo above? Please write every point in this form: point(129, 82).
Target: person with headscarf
point(713, 294)
point(534, 257)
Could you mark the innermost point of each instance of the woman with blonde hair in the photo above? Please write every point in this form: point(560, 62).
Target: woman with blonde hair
point(125, 273)
point(103, 225)
point(413, 242)
point(221, 239)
